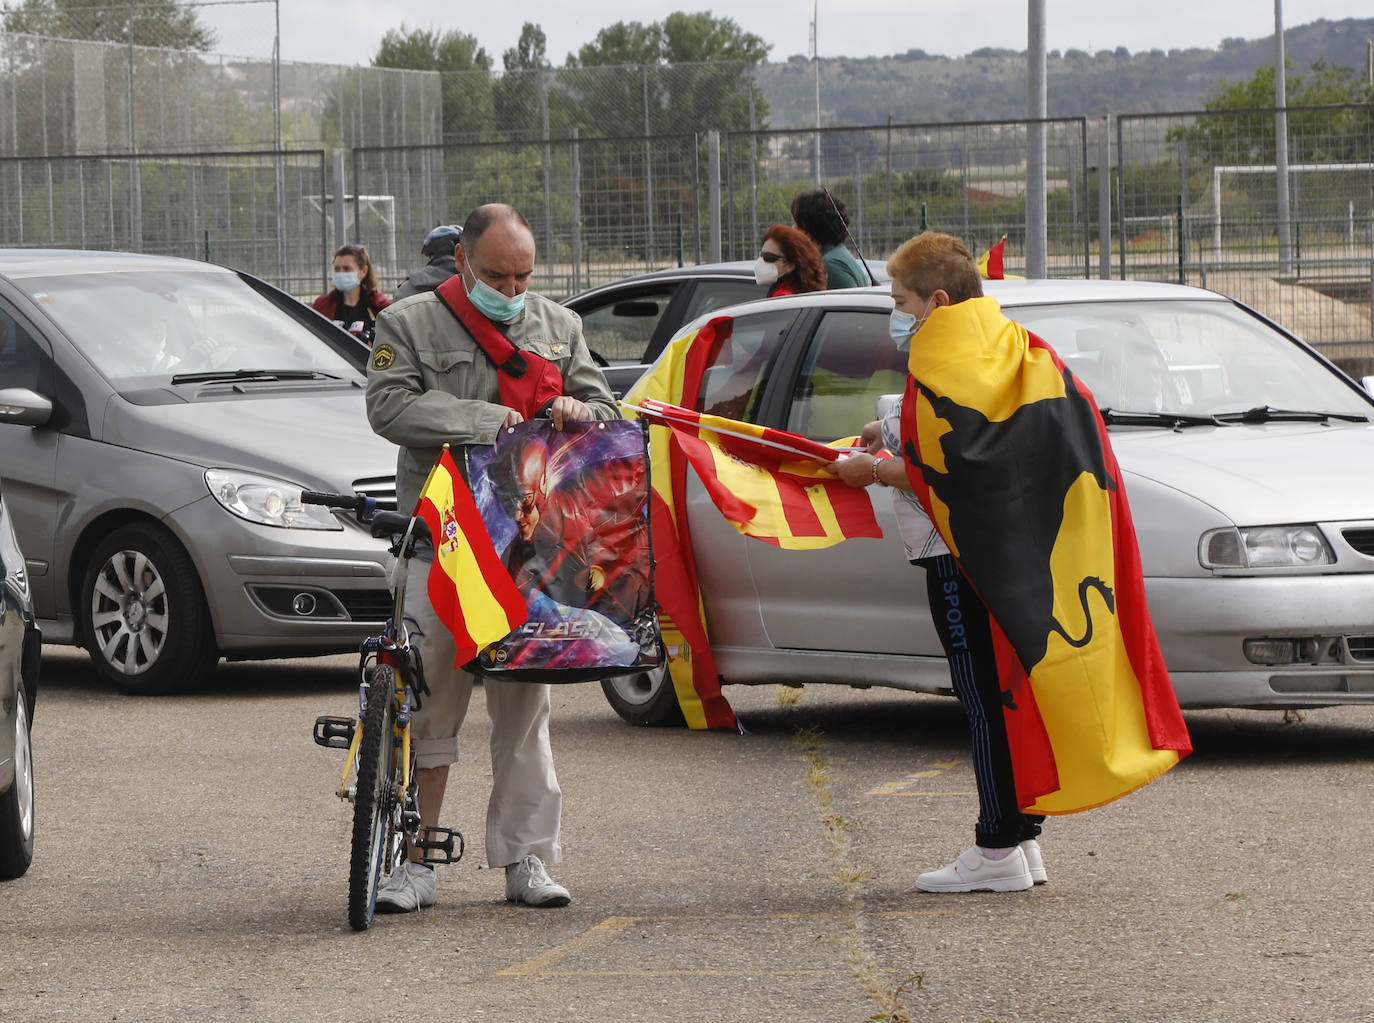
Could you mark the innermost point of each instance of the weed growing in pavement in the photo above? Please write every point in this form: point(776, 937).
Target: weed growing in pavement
point(845, 873)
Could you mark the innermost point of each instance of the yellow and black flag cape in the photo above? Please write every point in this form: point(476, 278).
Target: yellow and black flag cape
point(1010, 457)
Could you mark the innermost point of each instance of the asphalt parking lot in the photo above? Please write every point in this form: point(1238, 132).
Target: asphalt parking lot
point(191, 866)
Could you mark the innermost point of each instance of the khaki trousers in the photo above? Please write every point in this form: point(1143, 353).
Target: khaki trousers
point(524, 812)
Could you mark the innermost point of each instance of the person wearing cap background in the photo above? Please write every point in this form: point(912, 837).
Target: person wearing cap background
point(438, 249)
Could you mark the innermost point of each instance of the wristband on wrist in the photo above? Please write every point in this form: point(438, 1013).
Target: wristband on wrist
point(876, 478)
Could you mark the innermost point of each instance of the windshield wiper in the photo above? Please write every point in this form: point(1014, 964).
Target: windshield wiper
point(1269, 414)
point(216, 376)
point(1173, 420)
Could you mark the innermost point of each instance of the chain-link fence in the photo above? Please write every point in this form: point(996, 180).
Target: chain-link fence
point(966, 179)
point(1198, 201)
point(624, 169)
point(262, 211)
point(63, 97)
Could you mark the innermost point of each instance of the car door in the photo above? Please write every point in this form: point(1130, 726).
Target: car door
point(28, 454)
point(621, 324)
point(860, 595)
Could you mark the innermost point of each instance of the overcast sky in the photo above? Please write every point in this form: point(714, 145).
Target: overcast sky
point(347, 31)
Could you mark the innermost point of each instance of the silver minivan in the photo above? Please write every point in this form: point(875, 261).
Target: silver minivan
point(158, 420)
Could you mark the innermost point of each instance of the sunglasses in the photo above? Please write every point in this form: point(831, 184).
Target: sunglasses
point(772, 257)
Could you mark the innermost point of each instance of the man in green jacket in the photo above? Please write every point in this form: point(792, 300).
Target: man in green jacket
point(825, 219)
point(430, 383)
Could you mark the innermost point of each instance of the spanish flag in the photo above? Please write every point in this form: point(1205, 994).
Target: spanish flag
point(676, 380)
point(991, 266)
point(1008, 454)
point(769, 484)
point(471, 590)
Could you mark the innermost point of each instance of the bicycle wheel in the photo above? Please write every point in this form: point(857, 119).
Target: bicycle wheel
point(373, 802)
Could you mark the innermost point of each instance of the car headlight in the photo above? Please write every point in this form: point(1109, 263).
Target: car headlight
point(267, 501)
point(1264, 547)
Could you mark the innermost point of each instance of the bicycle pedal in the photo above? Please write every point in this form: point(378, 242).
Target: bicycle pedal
point(336, 733)
point(437, 845)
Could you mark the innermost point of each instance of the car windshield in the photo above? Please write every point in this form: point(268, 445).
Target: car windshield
point(143, 326)
point(1187, 358)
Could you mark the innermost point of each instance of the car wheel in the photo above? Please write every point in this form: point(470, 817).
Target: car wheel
point(16, 805)
point(647, 698)
point(144, 617)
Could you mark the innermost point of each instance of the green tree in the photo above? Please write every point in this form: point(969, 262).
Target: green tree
point(1239, 124)
point(464, 65)
point(521, 93)
point(696, 73)
point(160, 23)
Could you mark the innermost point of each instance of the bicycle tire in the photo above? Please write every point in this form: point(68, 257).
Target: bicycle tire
point(373, 800)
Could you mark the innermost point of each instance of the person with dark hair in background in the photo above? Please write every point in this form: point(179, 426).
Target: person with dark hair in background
point(789, 263)
point(355, 300)
point(438, 249)
point(825, 219)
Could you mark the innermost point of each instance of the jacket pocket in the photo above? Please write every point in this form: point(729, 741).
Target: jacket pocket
point(440, 362)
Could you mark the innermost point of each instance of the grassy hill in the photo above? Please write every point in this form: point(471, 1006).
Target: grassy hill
point(990, 84)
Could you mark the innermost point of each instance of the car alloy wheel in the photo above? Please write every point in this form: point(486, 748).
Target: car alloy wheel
point(16, 805)
point(145, 620)
point(129, 612)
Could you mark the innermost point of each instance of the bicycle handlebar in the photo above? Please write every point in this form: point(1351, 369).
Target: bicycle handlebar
point(365, 507)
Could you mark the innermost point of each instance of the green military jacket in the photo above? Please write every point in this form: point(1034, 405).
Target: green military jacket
point(428, 383)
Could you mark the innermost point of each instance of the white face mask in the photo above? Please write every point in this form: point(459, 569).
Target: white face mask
point(765, 273)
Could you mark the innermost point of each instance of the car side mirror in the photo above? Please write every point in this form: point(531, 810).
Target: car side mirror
point(24, 407)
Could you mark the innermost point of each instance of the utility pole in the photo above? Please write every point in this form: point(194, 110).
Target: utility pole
point(1036, 216)
point(816, 59)
point(1281, 145)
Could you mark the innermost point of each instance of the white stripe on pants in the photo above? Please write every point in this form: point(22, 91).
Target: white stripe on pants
point(524, 813)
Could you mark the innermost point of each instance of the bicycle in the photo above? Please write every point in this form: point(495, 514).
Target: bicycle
point(386, 816)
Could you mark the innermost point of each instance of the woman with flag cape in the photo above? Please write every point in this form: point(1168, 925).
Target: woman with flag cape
point(1018, 515)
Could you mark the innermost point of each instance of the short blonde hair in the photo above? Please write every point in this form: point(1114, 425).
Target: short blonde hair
point(932, 262)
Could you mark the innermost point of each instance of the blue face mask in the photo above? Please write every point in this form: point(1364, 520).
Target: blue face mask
point(346, 280)
point(900, 326)
point(492, 304)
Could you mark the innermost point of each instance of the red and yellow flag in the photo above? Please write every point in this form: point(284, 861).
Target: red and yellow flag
point(1007, 452)
point(471, 590)
point(676, 379)
point(990, 263)
point(769, 484)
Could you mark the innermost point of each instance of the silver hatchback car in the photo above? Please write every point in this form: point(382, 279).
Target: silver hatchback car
point(1245, 456)
point(158, 420)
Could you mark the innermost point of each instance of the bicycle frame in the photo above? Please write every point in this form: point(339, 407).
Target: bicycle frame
point(391, 648)
point(385, 794)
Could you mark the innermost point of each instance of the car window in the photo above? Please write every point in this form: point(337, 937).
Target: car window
point(1186, 357)
point(142, 325)
point(620, 329)
point(851, 361)
point(21, 357)
point(733, 384)
point(711, 295)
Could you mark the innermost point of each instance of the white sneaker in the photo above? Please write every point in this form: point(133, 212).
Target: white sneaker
point(1034, 861)
point(973, 872)
point(529, 883)
point(411, 886)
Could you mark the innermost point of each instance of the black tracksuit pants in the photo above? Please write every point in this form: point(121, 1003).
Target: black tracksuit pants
point(961, 620)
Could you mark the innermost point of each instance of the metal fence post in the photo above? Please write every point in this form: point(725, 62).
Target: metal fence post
point(340, 197)
point(1104, 199)
point(575, 158)
point(1182, 256)
point(713, 184)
